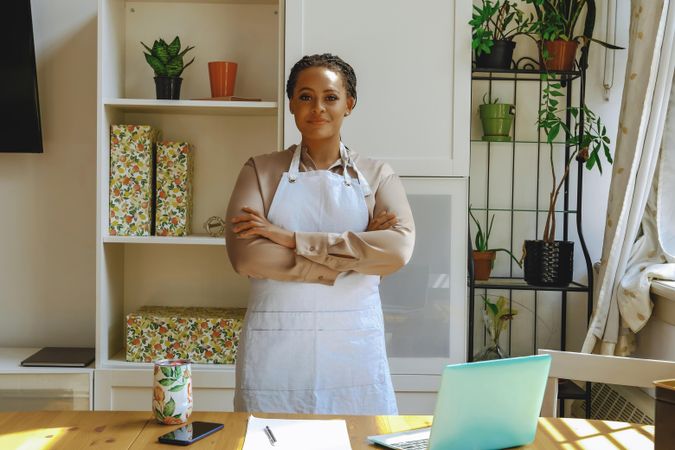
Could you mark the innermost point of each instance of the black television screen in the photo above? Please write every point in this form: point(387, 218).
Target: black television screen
point(20, 129)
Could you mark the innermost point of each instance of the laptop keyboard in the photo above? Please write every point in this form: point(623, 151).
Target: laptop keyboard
point(419, 444)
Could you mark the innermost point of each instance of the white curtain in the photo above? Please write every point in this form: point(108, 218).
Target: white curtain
point(637, 234)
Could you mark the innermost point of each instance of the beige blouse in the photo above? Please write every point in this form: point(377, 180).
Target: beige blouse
point(320, 257)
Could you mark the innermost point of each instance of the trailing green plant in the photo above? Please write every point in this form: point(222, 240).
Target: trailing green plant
point(482, 239)
point(167, 59)
point(586, 143)
point(496, 20)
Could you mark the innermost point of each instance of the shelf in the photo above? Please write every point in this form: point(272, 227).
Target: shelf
point(196, 239)
point(212, 107)
point(522, 74)
point(480, 141)
point(569, 211)
point(518, 284)
point(11, 357)
point(119, 362)
point(568, 389)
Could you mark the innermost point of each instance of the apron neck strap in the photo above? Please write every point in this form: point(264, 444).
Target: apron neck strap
point(347, 162)
point(295, 164)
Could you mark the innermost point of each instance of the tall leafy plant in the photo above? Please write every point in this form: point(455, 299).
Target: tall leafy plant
point(589, 142)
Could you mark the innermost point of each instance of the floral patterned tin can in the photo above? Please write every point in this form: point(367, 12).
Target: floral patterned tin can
point(172, 391)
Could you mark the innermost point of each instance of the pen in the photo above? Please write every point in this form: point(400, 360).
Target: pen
point(270, 435)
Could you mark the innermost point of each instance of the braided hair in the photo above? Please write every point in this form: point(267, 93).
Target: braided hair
point(332, 62)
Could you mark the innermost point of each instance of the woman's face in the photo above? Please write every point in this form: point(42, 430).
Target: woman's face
point(320, 102)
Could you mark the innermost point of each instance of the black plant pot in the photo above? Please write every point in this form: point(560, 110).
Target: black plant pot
point(549, 263)
point(168, 88)
point(499, 57)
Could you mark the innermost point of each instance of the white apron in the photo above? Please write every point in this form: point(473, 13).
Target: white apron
point(312, 348)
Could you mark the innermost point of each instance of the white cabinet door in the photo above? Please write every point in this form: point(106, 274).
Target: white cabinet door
point(424, 304)
point(413, 64)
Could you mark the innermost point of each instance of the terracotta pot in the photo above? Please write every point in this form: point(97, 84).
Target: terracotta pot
point(222, 75)
point(561, 55)
point(482, 264)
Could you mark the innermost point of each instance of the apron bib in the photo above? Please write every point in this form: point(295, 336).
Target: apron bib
point(311, 348)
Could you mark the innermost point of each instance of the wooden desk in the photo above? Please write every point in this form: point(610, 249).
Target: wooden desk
point(74, 430)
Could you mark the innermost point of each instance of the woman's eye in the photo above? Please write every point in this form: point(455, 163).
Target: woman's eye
point(331, 98)
point(304, 97)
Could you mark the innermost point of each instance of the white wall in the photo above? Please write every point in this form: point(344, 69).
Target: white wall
point(47, 201)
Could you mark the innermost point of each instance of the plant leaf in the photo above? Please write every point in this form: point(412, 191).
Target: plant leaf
point(156, 64)
point(174, 47)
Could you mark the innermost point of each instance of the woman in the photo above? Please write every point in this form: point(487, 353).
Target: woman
point(315, 227)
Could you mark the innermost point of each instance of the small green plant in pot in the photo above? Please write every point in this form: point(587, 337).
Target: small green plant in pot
point(166, 61)
point(494, 25)
point(484, 256)
point(496, 317)
point(496, 119)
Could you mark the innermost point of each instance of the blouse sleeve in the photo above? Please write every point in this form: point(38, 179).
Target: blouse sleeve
point(369, 252)
point(260, 257)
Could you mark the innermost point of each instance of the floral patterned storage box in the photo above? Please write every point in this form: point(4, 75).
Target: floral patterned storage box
point(202, 335)
point(131, 179)
point(174, 189)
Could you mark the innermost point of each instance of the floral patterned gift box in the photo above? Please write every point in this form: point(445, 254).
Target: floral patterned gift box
point(174, 189)
point(131, 179)
point(201, 335)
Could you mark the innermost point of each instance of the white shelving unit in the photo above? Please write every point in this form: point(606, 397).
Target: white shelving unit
point(192, 270)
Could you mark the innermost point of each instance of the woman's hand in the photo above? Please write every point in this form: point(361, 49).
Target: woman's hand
point(383, 221)
point(253, 224)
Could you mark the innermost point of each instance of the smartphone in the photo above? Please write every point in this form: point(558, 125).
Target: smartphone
point(190, 433)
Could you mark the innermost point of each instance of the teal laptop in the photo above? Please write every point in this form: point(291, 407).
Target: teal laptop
point(484, 405)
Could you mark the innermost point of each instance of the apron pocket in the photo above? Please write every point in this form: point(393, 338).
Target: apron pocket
point(278, 360)
point(348, 358)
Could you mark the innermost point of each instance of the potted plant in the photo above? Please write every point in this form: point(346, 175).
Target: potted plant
point(167, 62)
point(483, 255)
point(494, 25)
point(555, 24)
point(496, 119)
point(548, 261)
point(496, 317)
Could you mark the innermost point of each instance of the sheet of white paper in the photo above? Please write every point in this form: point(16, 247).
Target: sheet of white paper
point(297, 434)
